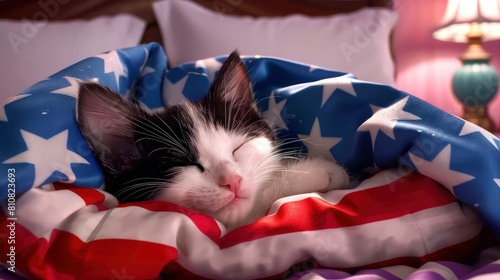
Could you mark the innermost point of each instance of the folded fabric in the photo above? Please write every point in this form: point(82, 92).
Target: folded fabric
point(393, 218)
point(66, 227)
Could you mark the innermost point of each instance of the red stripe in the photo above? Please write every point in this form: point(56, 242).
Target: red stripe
point(206, 224)
point(68, 258)
point(29, 250)
point(128, 259)
point(455, 253)
point(89, 195)
point(407, 195)
point(65, 256)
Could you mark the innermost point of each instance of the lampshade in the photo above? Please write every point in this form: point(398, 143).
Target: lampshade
point(455, 23)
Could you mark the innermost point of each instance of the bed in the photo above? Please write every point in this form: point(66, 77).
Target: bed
point(426, 207)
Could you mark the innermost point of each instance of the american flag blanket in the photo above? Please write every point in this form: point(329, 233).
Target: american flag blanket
point(427, 206)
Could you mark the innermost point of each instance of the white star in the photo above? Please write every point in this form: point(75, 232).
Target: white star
point(3, 114)
point(273, 112)
point(73, 88)
point(48, 156)
point(497, 181)
point(113, 64)
point(469, 128)
point(385, 119)
point(439, 169)
point(211, 65)
point(172, 92)
point(318, 145)
point(332, 84)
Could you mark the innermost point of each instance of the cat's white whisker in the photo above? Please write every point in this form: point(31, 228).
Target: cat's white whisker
point(217, 156)
point(138, 188)
point(145, 179)
point(165, 138)
point(273, 156)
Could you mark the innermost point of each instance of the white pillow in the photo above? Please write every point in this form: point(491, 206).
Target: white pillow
point(357, 42)
point(32, 51)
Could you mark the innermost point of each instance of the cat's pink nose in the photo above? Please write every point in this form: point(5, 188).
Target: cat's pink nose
point(230, 181)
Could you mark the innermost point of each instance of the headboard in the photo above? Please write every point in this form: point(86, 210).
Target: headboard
point(48, 60)
point(65, 9)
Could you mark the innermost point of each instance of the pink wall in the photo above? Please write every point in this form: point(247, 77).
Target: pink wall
point(425, 66)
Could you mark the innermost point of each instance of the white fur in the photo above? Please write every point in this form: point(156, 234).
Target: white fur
point(265, 177)
point(234, 178)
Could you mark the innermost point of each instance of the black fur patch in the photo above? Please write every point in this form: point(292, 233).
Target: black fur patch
point(139, 151)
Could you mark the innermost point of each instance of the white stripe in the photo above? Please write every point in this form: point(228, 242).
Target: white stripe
point(489, 276)
point(442, 270)
point(372, 277)
point(145, 225)
point(411, 235)
point(40, 211)
point(312, 276)
point(439, 223)
point(382, 178)
point(84, 222)
point(400, 271)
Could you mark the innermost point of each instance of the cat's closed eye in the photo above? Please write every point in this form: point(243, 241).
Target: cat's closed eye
point(195, 156)
point(239, 148)
point(200, 167)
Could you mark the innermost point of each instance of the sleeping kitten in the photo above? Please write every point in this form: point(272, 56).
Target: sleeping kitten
point(217, 156)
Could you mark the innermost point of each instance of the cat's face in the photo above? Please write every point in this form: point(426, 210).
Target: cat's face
point(216, 156)
point(231, 168)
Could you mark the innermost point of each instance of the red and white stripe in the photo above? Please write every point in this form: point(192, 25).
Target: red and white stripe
point(392, 218)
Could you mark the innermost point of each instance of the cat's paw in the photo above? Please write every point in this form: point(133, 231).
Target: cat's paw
point(333, 173)
point(314, 175)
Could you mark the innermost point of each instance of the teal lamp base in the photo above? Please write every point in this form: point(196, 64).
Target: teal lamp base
point(475, 84)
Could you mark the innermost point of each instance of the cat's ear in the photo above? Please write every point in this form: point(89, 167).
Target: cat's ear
point(232, 83)
point(106, 120)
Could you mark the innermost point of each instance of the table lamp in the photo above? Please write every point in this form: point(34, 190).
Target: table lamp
point(475, 83)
